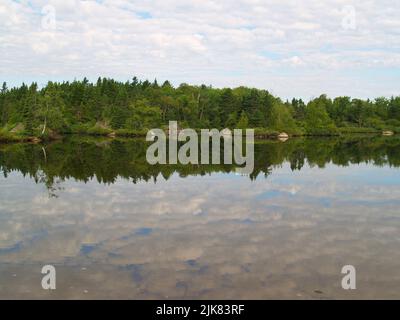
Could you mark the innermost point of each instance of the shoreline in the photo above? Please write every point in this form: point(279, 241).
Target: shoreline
point(10, 138)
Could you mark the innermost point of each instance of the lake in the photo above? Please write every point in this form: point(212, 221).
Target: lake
point(115, 226)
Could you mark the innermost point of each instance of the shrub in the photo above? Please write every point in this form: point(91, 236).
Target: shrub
point(130, 133)
point(98, 131)
point(393, 123)
point(348, 130)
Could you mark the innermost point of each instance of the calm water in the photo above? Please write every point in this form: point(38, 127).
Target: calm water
point(116, 227)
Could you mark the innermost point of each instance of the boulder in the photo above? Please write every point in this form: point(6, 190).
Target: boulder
point(283, 136)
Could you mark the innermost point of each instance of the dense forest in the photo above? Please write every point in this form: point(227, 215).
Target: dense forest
point(133, 107)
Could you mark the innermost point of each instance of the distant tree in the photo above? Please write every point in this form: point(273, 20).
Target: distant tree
point(232, 121)
point(340, 110)
point(381, 108)
point(299, 109)
point(394, 108)
point(51, 109)
point(359, 112)
point(317, 118)
point(4, 87)
point(3, 106)
point(29, 108)
point(280, 117)
point(143, 116)
point(228, 104)
point(243, 122)
point(167, 84)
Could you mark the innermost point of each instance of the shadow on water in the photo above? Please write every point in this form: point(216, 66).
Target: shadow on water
point(85, 158)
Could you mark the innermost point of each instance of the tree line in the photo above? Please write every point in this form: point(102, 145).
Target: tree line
point(136, 106)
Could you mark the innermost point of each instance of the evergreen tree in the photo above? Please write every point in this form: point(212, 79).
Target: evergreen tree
point(4, 88)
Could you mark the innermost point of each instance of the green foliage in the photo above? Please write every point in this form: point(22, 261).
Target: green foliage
point(317, 120)
point(280, 118)
point(80, 128)
point(130, 133)
point(394, 108)
point(143, 116)
point(265, 133)
point(232, 121)
point(243, 122)
point(393, 122)
point(98, 131)
point(349, 130)
point(136, 106)
point(7, 136)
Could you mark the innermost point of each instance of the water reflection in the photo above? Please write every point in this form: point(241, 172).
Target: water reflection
point(91, 208)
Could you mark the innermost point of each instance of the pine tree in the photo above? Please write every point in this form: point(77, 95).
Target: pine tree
point(4, 87)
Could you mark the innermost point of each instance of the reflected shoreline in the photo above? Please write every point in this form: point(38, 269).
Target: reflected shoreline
point(84, 158)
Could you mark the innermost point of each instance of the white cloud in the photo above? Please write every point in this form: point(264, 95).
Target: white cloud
point(290, 47)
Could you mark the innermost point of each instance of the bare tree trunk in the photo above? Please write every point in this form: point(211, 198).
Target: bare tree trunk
point(45, 118)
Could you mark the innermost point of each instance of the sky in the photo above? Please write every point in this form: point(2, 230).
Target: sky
point(291, 48)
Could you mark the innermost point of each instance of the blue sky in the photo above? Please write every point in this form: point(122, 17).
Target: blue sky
point(292, 48)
